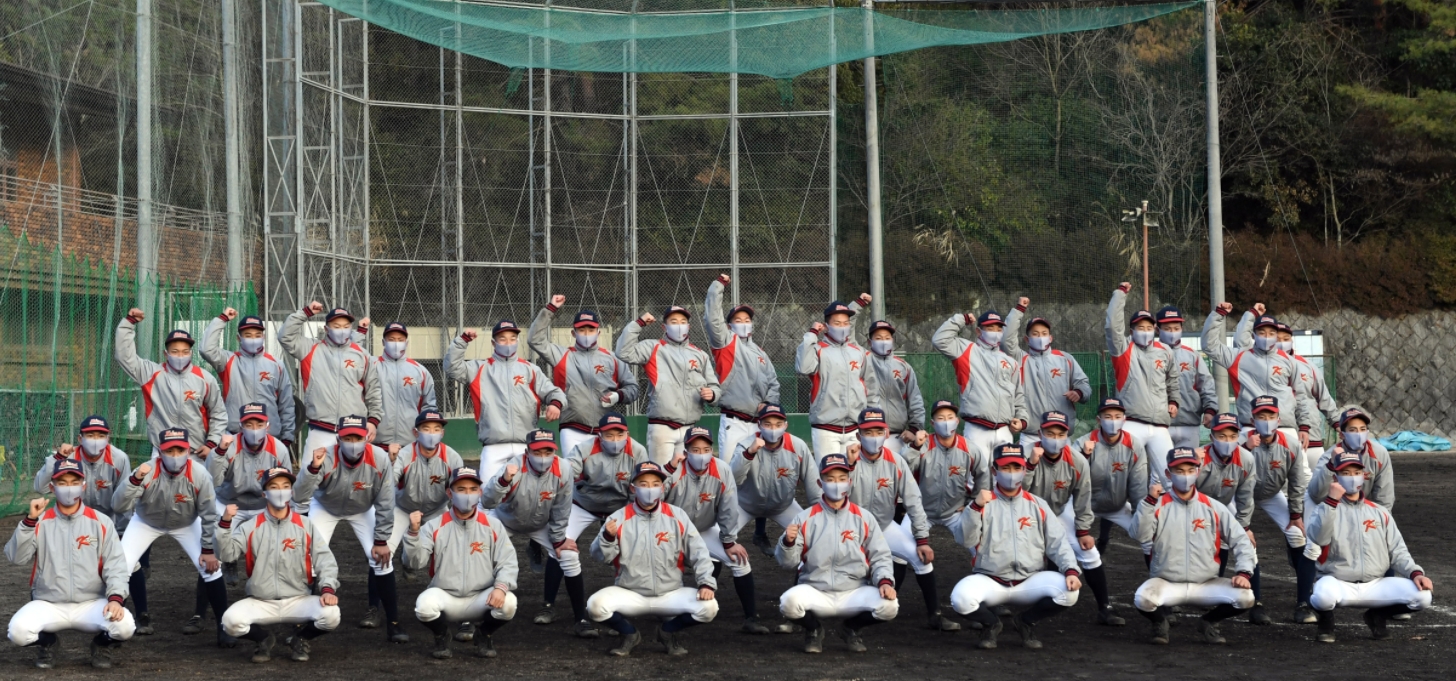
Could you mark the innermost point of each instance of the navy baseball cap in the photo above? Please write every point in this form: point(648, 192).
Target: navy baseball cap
point(179, 335)
point(253, 411)
point(337, 313)
point(352, 425)
point(648, 468)
point(1281, 327)
point(675, 309)
point(1266, 403)
point(698, 433)
point(540, 439)
point(990, 317)
point(430, 416)
point(1009, 452)
point(71, 466)
point(1169, 314)
point(872, 417)
point(741, 308)
point(464, 473)
point(833, 462)
point(95, 424)
point(771, 409)
point(1140, 315)
point(1345, 458)
point(1225, 422)
point(173, 437)
point(1038, 320)
point(837, 307)
point(393, 327)
point(882, 324)
point(1055, 418)
point(1354, 413)
point(1266, 320)
point(279, 472)
point(586, 318)
point(251, 322)
point(943, 404)
point(1110, 403)
point(612, 421)
point(1179, 455)
point(503, 326)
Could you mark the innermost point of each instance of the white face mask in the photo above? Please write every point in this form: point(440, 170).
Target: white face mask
point(395, 349)
point(352, 451)
point(1225, 449)
point(837, 333)
point(1053, 445)
point(279, 498)
point(429, 441)
point(771, 435)
point(251, 346)
point(1287, 347)
point(1354, 441)
point(255, 437)
point(647, 497)
point(464, 503)
point(613, 448)
point(1262, 343)
point(1352, 483)
point(872, 444)
point(340, 335)
point(1142, 338)
point(539, 463)
point(505, 350)
point(1266, 427)
point(95, 445)
point(945, 427)
point(699, 462)
point(1172, 338)
point(586, 341)
point(1111, 426)
point(1183, 483)
point(68, 494)
point(1009, 481)
point(173, 464)
point(834, 491)
point(882, 348)
point(1039, 343)
point(179, 363)
point(742, 329)
point(992, 337)
point(676, 333)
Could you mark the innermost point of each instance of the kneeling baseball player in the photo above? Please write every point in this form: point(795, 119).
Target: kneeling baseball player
point(1187, 529)
point(285, 559)
point(652, 544)
point(844, 565)
point(67, 593)
point(1360, 545)
point(472, 567)
point(1013, 535)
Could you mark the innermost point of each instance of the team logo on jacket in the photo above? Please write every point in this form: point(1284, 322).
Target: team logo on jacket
point(546, 495)
point(955, 470)
point(1199, 524)
point(704, 497)
point(896, 373)
point(1005, 364)
point(693, 364)
point(762, 360)
point(179, 498)
point(1228, 482)
point(1056, 373)
point(436, 479)
point(265, 376)
point(409, 381)
point(853, 365)
point(1278, 370)
point(1369, 525)
point(361, 486)
point(349, 363)
point(289, 543)
point(783, 472)
point(1157, 364)
point(1276, 463)
point(520, 380)
point(882, 483)
point(1183, 366)
point(662, 538)
point(1118, 466)
point(621, 476)
point(1304, 377)
point(85, 540)
point(189, 396)
point(101, 484)
point(846, 535)
point(1023, 522)
point(477, 547)
point(599, 369)
point(1061, 484)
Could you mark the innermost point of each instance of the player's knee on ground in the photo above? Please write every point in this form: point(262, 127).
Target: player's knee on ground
point(328, 618)
point(706, 611)
point(1149, 596)
point(507, 610)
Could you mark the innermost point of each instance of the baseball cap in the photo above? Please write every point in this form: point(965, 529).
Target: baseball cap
point(1168, 314)
point(648, 468)
point(741, 308)
point(698, 433)
point(1225, 422)
point(837, 307)
point(771, 409)
point(675, 309)
point(943, 404)
point(65, 466)
point(253, 411)
point(429, 416)
point(872, 417)
point(540, 439)
point(586, 318)
point(1055, 418)
point(1110, 403)
point(1345, 458)
point(1038, 320)
point(1266, 320)
point(1179, 455)
point(1008, 453)
point(173, 437)
point(1266, 403)
point(882, 324)
point(352, 425)
point(251, 322)
point(464, 473)
point(502, 326)
point(1281, 327)
point(178, 335)
point(279, 472)
point(95, 424)
point(1140, 315)
point(990, 317)
point(833, 462)
point(612, 421)
point(393, 327)
point(337, 313)
point(1353, 413)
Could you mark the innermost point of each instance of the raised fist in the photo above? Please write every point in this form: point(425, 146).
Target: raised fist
point(318, 456)
point(142, 470)
point(38, 506)
point(558, 300)
point(1223, 309)
point(725, 279)
point(230, 314)
point(363, 325)
point(229, 512)
point(315, 307)
point(1155, 491)
point(226, 443)
point(1088, 447)
point(791, 532)
point(817, 328)
point(469, 336)
point(136, 313)
point(511, 471)
point(758, 444)
point(1337, 491)
point(677, 459)
point(1124, 285)
point(415, 518)
point(852, 452)
point(985, 497)
point(646, 318)
point(393, 452)
point(864, 299)
point(1023, 301)
point(1259, 308)
point(65, 451)
point(1036, 452)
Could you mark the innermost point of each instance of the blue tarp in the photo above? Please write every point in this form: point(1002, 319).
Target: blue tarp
point(1415, 441)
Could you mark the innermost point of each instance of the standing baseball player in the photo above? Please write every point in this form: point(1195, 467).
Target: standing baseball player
point(472, 567)
point(1280, 491)
point(767, 470)
point(1146, 373)
point(1263, 369)
point(172, 495)
point(237, 474)
point(652, 544)
point(351, 482)
point(1051, 380)
point(843, 563)
point(406, 390)
point(900, 396)
point(175, 394)
point(1188, 530)
point(1360, 549)
point(337, 378)
point(532, 496)
point(1013, 535)
point(421, 478)
point(1197, 393)
point(992, 404)
point(286, 559)
point(1320, 405)
point(104, 465)
point(949, 473)
point(251, 375)
point(1379, 485)
point(1118, 469)
point(506, 392)
point(78, 572)
point(592, 378)
point(681, 377)
point(745, 372)
point(842, 382)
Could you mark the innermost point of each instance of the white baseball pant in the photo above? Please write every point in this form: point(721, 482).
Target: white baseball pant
point(363, 525)
point(803, 599)
point(1157, 442)
point(783, 518)
point(401, 523)
point(615, 599)
point(952, 523)
point(139, 537)
point(732, 431)
point(494, 457)
point(87, 616)
point(977, 590)
point(1312, 456)
point(570, 438)
point(720, 554)
point(902, 546)
point(1156, 593)
point(1277, 508)
point(316, 438)
point(663, 442)
point(435, 603)
point(1185, 436)
point(830, 442)
point(1330, 593)
point(984, 439)
point(1088, 559)
point(1125, 519)
point(247, 612)
point(570, 560)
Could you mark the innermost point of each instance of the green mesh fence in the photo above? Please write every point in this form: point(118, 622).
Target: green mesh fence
point(696, 36)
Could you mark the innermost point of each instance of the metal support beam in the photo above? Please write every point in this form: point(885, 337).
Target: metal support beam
point(872, 172)
point(1215, 177)
point(237, 277)
point(146, 229)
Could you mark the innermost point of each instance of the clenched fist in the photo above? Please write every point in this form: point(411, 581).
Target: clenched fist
point(136, 313)
point(229, 314)
point(611, 527)
point(1155, 491)
point(1023, 301)
point(315, 307)
point(511, 471)
point(229, 512)
point(791, 533)
point(65, 451)
point(415, 518)
point(553, 412)
point(646, 318)
point(677, 460)
point(393, 452)
point(1259, 309)
point(758, 444)
point(37, 507)
point(318, 456)
point(226, 443)
point(852, 453)
point(1088, 447)
point(864, 299)
point(469, 336)
point(706, 393)
point(985, 497)
point(142, 470)
point(725, 279)
point(558, 300)
point(1337, 491)
point(1223, 309)
point(363, 325)
point(816, 328)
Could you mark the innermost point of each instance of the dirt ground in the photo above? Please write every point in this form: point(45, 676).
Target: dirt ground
point(1076, 648)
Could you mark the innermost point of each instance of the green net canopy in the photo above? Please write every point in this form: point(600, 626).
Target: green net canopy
point(777, 42)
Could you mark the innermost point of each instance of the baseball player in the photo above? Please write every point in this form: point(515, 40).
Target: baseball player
point(406, 390)
point(652, 544)
point(745, 372)
point(506, 392)
point(1146, 373)
point(1013, 535)
point(1360, 549)
point(767, 469)
point(472, 566)
point(592, 378)
point(1263, 369)
point(1320, 405)
point(1379, 486)
point(337, 377)
point(351, 483)
point(1118, 468)
point(250, 375)
point(1280, 492)
point(843, 563)
point(680, 375)
point(175, 394)
point(286, 560)
point(78, 572)
point(421, 474)
point(602, 470)
point(842, 383)
point(1188, 531)
point(900, 396)
point(532, 496)
point(949, 473)
point(104, 464)
point(1226, 474)
point(1197, 392)
point(1051, 380)
point(237, 474)
point(992, 403)
point(702, 486)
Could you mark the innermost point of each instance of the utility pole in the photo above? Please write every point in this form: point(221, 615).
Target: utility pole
point(236, 277)
point(1215, 177)
point(872, 170)
point(1145, 218)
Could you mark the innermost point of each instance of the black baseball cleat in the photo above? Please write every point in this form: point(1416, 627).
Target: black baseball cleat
point(584, 629)
point(466, 633)
point(1258, 617)
point(263, 650)
point(396, 633)
point(814, 640)
point(100, 655)
point(1108, 617)
point(372, 619)
point(1160, 632)
point(298, 648)
point(1027, 631)
point(1377, 626)
point(225, 641)
point(193, 626)
point(45, 652)
point(764, 544)
point(144, 624)
point(624, 648)
point(939, 623)
point(1303, 614)
point(484, 646)
point(546, 615)
point(852, 639)
point(442, 647)
point(669, 643)
point(989, 634)
point(1209, 631)
point(751, 626)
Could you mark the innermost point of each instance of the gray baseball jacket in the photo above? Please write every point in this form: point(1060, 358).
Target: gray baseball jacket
point(708, 498)
point(767, 479)
point(465, 555)
point(249, 378)
point(190, 399)
point(1253, 373)
point(1351, 552)
point(532, 500)
point(877, 484)
point(74, 558)
point(837, 550)
point(103, 476)
point(1280, 470)
point(583, 376)
point(1147, 377)
point(990, 384)
point(1062, 480)
point(1013, 538)
point(237, 474)
point(675, 371)
point(744, 370)
point(1379, 475)
point(1118, 470)
point(1230, 482)
point(654, 549)
point(1187, 537)
point(1319, 402)
point(1045, 376)
point(602, 479)
point(336, 380)
point(406, 388)
point(949, 477)
point(1197, 392)
point(283, 558)
point(171, 502)
point(842, 383)
point(507, 396)
point(899, 393)
point(420, 481)
point(345, 490)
